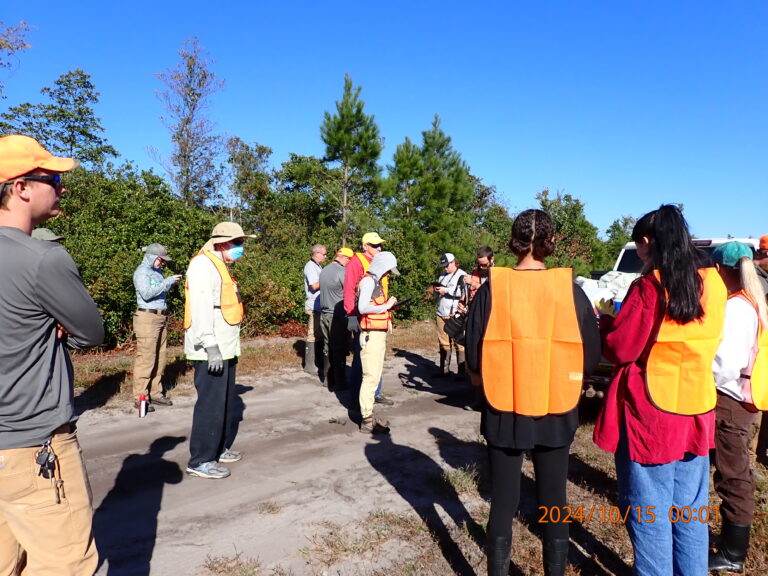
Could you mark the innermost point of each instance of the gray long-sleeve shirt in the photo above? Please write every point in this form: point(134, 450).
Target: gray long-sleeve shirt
point(150, 284)
point(39, 287)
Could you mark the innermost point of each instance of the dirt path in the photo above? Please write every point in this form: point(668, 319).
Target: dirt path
point(305, 463)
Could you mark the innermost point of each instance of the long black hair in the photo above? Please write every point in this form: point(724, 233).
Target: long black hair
point(674, 255)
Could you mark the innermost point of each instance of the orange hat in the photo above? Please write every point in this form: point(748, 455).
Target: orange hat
point(764, 242)
point(22, 154)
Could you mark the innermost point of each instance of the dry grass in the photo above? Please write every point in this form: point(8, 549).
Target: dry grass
point(269, 507)
point(239, 565)
point(464, 480)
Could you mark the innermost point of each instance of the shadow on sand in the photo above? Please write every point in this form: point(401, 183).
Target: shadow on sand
point(125, 524)
point(419, 481)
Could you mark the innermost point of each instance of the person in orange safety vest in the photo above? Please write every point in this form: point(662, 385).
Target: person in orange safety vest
point(374, 305)
point(531, 335)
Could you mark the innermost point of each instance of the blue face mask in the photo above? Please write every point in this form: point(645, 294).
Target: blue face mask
point(236, 252)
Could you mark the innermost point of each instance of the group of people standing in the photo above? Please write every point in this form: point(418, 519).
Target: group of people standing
point(689, 345)
point(45, 497)
point(691, 372)
point(350, 297)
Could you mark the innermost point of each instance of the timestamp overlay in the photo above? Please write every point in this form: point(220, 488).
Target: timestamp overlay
point(621, 514)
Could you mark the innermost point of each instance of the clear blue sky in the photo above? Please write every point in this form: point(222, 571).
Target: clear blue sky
point(624, 105)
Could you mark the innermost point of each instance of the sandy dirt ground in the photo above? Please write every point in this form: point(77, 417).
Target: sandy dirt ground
point(305, 463)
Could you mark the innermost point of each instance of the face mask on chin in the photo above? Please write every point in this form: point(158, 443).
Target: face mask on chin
point(235, 253)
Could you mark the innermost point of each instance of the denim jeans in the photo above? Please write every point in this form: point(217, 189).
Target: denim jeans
point(213, 419)
point(667, 544)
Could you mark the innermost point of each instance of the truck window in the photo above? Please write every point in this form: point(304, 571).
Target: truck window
point(630, 262)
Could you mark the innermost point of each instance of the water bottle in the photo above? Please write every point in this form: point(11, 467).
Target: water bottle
point(142, 405)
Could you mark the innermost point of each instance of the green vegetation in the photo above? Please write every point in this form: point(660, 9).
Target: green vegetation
point(426, 202)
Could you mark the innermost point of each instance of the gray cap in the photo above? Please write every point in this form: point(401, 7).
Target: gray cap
point(157, 250)
point(45, 234)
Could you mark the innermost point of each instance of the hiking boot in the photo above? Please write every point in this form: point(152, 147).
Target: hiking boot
point(209, 470)
point(383, 400)
point(373, 425)
point(150, 408)
point(160, 401)
point(230, 456)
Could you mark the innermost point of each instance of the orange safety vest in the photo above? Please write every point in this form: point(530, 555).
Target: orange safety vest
point(378, 320)
point(678, 375)
point(231, 304)
point(366, 264)
point(533, 356)
point(759, 378)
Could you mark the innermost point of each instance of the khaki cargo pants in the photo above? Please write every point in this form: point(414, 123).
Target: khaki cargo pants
point(44, 537)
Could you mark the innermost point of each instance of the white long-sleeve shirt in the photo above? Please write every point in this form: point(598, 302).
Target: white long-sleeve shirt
point(736, 354)
point(208, 325)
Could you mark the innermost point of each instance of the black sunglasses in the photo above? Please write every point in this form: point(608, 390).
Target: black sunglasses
point(50, 179)
point(238, 241)
point(375, 245)
point(761, 253)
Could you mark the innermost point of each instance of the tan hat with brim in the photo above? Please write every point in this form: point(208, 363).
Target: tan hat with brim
point(20, 155)
point(224, 232)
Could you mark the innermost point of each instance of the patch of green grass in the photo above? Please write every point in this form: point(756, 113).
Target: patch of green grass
point(464, 480)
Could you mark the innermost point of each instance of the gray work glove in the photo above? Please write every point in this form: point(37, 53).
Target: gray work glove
point(215, 361)
point(353, 324)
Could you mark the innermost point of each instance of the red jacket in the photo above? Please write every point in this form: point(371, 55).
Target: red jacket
point(352, 275)
point(654, 437)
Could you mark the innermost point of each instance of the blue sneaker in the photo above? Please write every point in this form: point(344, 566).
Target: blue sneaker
point(209, 470)
point(230, 456)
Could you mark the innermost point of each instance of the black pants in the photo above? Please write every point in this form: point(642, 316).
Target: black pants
point(213, 420)
point(733, 471)
point(551, 468)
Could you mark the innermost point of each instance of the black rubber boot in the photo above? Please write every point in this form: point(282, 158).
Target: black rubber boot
point(732, 551)
point(498, 551)
point(555, 556)
point(443, 371)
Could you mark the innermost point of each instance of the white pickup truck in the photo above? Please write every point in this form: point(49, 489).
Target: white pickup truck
point(614, 284)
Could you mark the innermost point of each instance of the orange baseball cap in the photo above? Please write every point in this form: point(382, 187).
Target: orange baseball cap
point(22, 154)
point(764, 242)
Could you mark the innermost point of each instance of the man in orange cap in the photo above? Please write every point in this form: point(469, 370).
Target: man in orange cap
point(45, 309)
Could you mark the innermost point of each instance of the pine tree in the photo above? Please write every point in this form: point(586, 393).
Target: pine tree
point(352, 140)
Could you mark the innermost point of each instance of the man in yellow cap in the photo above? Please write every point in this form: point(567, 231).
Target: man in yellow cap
point(356, 269)
point(333, 320)
point(213, 312)
point(45, 501)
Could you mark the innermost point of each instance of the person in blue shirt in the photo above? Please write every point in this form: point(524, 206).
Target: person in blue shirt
point(150, 323)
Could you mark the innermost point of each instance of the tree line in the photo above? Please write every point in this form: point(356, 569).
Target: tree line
point(425, 202)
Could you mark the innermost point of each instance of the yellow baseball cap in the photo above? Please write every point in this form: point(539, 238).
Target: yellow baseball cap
point(20, 155)
point(345, 252)
point(372, 238)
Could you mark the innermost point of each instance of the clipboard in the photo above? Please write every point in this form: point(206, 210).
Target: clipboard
point(401, 302)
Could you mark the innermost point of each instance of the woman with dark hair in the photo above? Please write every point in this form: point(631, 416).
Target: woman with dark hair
point(741, 377)
point(657, 417)
point(531, 335)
